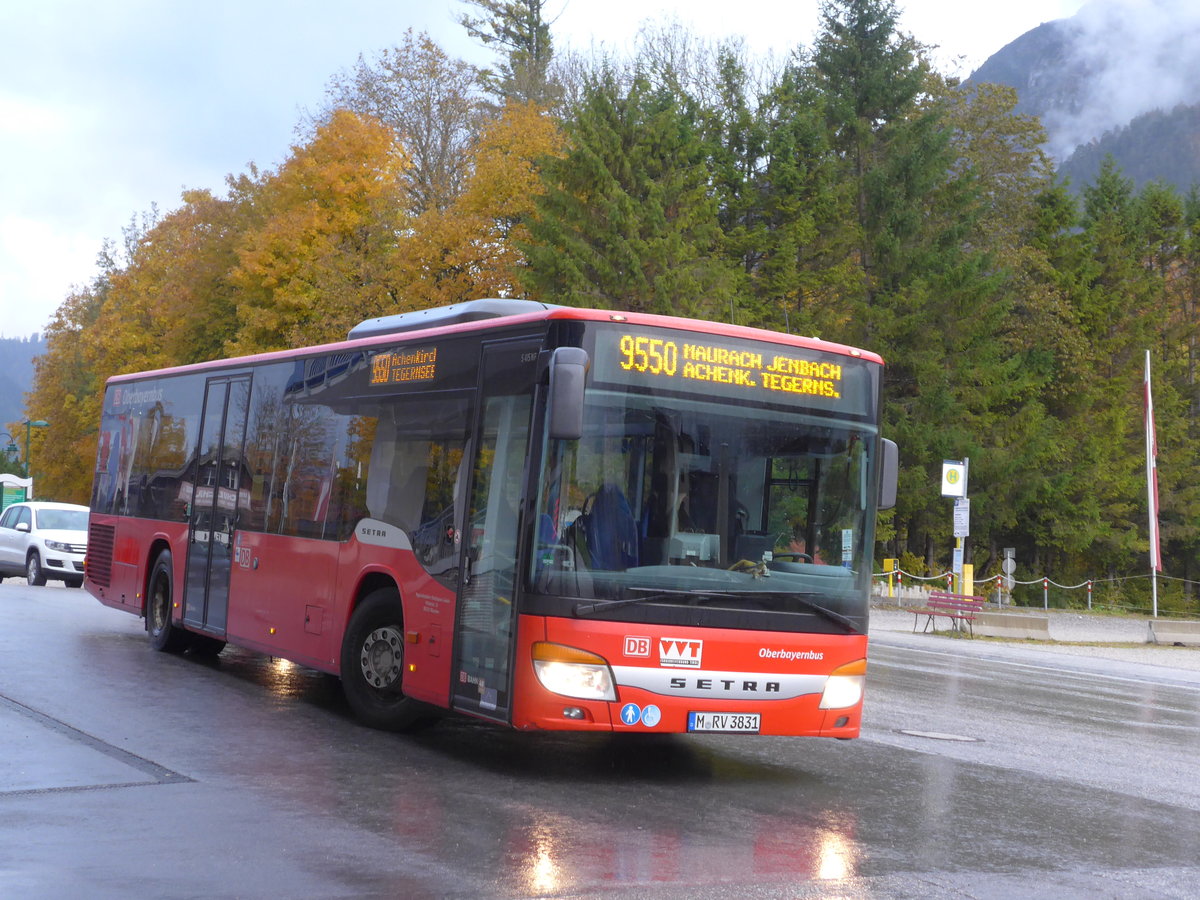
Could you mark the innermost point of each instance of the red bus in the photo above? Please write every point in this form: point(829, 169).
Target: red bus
point(547, 517)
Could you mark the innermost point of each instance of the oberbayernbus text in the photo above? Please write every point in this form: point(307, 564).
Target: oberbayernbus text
point(550, 518)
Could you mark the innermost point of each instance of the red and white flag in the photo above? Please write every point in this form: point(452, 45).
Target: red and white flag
point(1152, 474)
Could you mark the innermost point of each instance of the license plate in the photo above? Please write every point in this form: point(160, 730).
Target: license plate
point(738, 723)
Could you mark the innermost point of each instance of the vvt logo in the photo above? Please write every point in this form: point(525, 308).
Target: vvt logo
point(679, 654)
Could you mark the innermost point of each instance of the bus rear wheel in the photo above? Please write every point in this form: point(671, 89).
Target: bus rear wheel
point(373, 664)
point(160, 594)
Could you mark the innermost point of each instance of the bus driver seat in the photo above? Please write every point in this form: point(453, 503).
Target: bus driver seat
point(609, 531)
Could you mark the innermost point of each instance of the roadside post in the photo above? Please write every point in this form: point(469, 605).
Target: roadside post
point(1008, 566)
point(954, 484)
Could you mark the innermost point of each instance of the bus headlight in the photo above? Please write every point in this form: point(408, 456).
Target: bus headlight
point(844, 686)
point(573, 672)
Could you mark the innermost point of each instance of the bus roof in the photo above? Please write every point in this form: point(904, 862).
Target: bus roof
point(476, 314)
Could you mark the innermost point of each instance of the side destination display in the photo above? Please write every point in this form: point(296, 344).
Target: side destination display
point(404, 366)
point(728, 367)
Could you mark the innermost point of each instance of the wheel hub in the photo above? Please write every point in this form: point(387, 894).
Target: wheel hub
point(159, 608)
point(382, 656)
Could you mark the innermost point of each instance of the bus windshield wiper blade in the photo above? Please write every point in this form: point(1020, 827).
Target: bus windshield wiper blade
point(584, 609)
point(652, 594)
point(801, 597)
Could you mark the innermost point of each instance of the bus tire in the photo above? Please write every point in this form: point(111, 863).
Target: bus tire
point(160, 594)
point(373, 663)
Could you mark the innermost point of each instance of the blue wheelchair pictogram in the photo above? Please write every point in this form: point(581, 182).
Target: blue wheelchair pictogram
point(630, 713)
point(651, 716)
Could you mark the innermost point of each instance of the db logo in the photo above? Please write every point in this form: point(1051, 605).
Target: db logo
point(637, 646)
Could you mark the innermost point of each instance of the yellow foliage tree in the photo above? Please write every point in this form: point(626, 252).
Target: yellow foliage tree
point(288, 258)
point(66, 392)
point(469, 250)
point(321, 258)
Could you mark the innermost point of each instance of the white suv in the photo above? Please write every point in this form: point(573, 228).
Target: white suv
point(44, 540)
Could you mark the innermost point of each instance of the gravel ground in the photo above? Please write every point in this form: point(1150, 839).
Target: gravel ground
point(1123, 638)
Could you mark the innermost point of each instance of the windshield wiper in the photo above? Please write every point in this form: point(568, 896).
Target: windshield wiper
point(801, 597)
point(585, 609)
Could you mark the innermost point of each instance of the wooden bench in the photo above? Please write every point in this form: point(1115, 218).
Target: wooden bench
point(960, 609)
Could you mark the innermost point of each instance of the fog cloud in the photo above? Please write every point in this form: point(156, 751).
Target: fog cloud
point(1133, 56)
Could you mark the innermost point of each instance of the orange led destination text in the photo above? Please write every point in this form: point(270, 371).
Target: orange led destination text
point(402, 366)
point(726, 365)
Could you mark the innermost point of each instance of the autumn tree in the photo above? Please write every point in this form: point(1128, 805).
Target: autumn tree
point(430, 101)
point(322, 259)
point(66, 391)
point(172, 302)
point(472, 249)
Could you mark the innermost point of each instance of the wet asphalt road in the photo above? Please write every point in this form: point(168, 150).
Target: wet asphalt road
point(984, 771)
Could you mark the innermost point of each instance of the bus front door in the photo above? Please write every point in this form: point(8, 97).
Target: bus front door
point(486, 620)
point(220, 470)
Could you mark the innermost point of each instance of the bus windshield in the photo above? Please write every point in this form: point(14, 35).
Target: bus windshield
point(674, 500)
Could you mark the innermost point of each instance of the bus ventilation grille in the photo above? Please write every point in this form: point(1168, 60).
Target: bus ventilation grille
point(100, 553)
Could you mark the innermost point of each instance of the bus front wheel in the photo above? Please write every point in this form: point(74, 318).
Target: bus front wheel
point(373, 663)
point(163, 634)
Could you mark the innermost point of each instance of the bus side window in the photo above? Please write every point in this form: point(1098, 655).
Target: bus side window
point(413, 482)
point(396, 479)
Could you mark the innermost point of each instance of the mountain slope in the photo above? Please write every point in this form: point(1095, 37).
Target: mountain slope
point(1120, 77)
point(16, 376)
point(1156, 145)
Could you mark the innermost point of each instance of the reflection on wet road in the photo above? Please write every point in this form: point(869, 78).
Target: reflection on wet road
point(1072, 783)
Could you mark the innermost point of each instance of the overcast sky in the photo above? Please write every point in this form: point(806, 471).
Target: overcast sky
point(108, 108)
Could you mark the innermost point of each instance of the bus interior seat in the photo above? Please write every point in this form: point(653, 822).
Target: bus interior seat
point(610, 530)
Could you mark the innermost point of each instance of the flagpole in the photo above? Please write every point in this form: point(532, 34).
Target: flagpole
point(1152, 492)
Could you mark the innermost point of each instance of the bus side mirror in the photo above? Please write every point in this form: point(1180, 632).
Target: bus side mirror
point(889, 473)
point(568, 371)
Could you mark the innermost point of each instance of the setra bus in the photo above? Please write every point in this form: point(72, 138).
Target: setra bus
point(547, 517)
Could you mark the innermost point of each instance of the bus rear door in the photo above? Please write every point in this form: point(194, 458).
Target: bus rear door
point(219, 472)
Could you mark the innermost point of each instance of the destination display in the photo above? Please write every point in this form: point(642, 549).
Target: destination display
point(726, 367)
point(404, 366)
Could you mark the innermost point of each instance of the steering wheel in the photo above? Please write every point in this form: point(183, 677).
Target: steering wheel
point(791, 554)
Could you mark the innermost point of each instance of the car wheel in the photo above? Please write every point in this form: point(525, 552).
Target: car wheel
point(164, 635)
point(34, 574)
point(373, 664)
